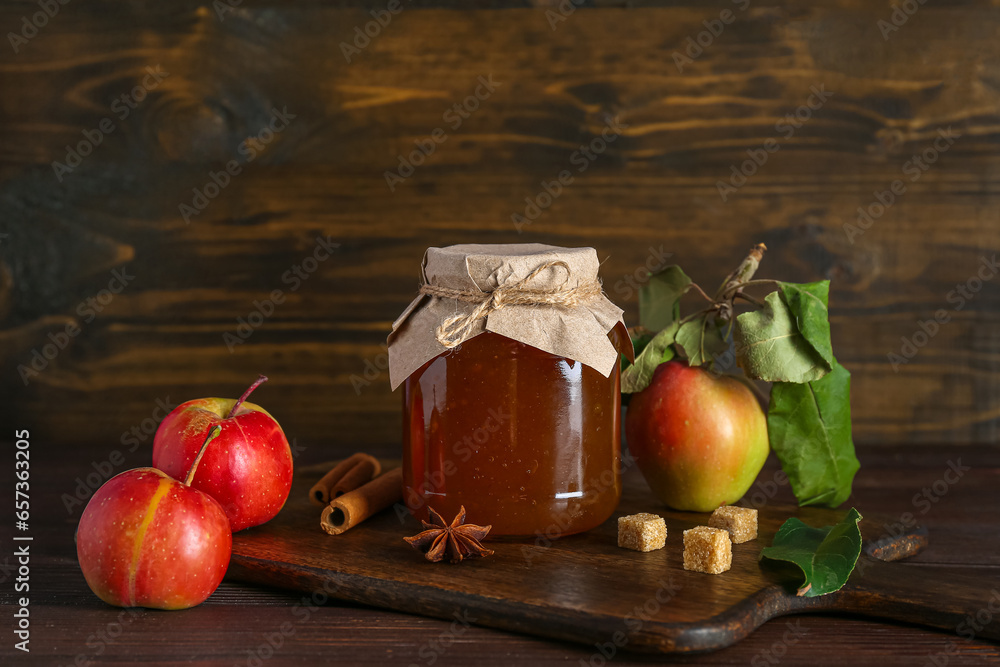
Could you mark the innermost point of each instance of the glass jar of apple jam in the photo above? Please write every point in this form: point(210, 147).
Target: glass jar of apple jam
point(516, 416)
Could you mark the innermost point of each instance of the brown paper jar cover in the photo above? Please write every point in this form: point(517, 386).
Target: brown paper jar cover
point(578, 333)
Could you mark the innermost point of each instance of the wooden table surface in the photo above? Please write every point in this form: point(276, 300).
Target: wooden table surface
point(243, 625)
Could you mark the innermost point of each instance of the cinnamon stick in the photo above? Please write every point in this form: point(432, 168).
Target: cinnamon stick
point(364, 471)
point(353, 507)
point(321, 492)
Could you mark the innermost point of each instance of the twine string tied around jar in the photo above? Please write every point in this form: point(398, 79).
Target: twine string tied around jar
point(456, 329)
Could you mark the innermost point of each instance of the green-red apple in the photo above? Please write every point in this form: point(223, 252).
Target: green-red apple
point(700, 440)
point(149, 540)
point(248, 469)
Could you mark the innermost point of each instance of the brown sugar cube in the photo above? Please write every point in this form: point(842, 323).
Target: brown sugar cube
point(642, 532)
point(741, 522)
point(707, 550)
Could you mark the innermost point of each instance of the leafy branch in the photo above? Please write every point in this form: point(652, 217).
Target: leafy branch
point(783, 339)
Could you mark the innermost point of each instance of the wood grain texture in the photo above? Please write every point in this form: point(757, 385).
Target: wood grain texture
point(324, 175)
point(70, 621)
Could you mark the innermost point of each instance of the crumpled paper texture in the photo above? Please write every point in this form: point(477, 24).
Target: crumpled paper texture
point(579, 333)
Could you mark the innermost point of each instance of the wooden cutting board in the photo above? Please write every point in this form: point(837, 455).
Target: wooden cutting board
point(584, 588)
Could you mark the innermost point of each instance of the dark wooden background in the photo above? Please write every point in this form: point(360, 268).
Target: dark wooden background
point(161, 338)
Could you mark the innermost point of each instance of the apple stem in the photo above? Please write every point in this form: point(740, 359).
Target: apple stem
point(260, 380)
point(216, 430)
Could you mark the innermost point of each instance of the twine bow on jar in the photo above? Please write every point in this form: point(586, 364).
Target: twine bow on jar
point(456, 329)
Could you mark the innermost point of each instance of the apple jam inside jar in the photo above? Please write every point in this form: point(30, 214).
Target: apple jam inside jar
point(526, 440)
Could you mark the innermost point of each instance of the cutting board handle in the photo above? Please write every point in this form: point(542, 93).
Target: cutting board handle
point(964, 604)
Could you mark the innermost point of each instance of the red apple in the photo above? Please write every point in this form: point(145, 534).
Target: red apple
point(248, 469)
point(700, 440)
point(148, 540)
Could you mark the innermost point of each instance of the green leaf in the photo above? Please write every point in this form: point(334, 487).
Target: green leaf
point(770, 347)
point(701, 340)
point(809, 427)
point(659, 299)
point(808, 304)
point(640, 339)
point(826, 556)
point(637, 376)
point(668, 354)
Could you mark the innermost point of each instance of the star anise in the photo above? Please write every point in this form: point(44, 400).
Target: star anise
point(456, 541)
